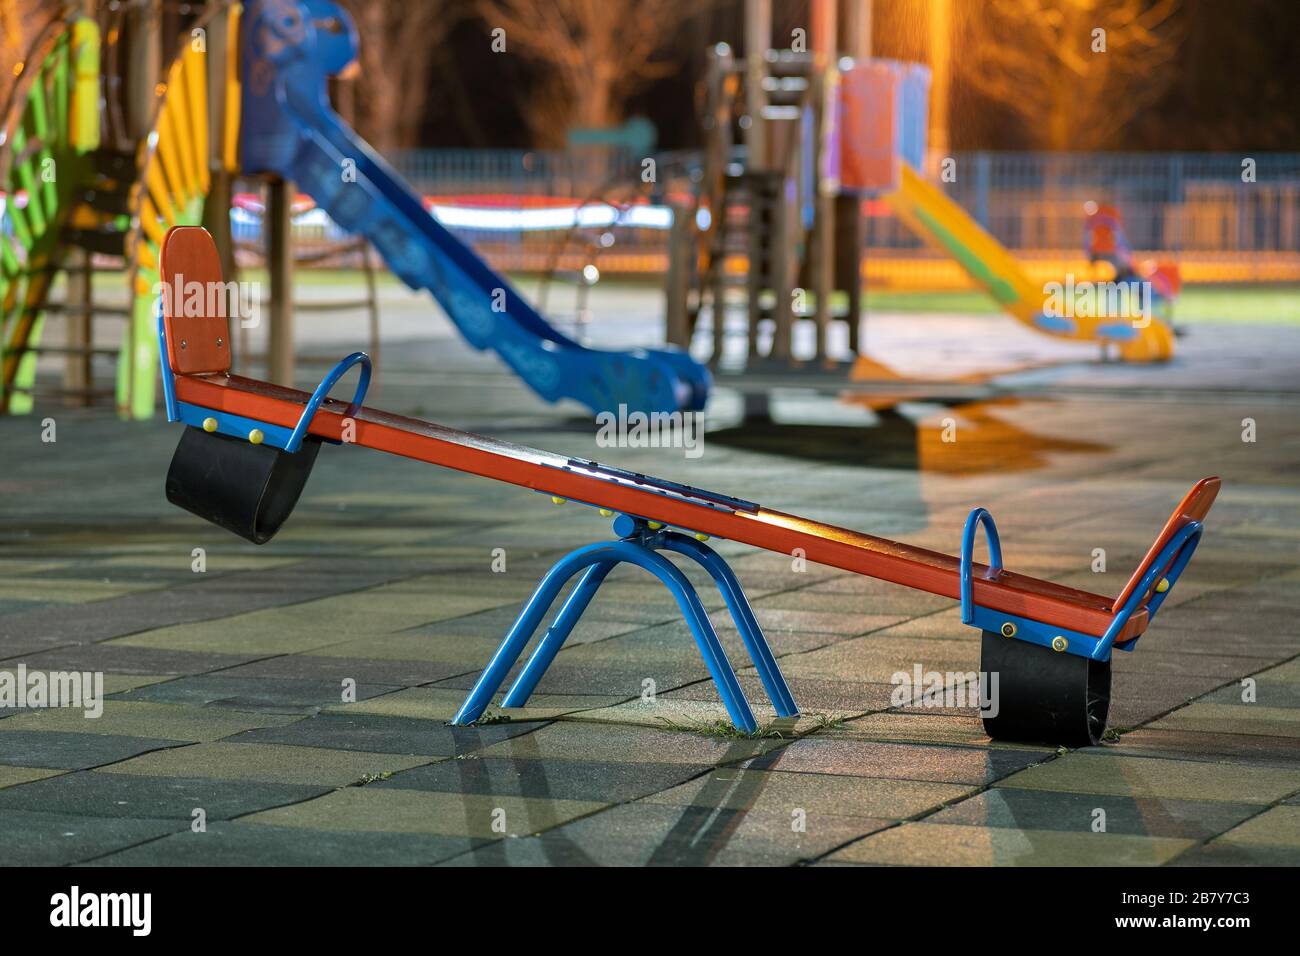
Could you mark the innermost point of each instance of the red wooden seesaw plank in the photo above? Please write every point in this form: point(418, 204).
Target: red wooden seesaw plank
point(931, 571)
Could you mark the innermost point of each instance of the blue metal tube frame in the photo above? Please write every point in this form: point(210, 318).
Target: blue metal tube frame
point(638, 545)
point(1173, 557)
point(168, 377)
point(741, 612)
point(608, 553)
point(1168, 565)
point(555, 636)
point(274, 435)
point(322, 392)
point(977, 517)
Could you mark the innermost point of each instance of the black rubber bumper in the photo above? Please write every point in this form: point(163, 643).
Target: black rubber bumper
point(245, 488)
point(1044, 696)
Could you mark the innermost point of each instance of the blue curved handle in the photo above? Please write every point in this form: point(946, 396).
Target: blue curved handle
point(323, 390)
point(976, 518)
point(1174, 557)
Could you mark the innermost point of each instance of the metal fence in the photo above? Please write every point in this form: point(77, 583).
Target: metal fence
point(1170, 201)
point(1210, 208)
point(1174, 202)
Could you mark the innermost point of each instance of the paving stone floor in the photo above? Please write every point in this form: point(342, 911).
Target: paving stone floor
point(287, 704)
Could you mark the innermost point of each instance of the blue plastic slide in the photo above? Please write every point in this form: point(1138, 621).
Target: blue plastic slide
point(288, 49)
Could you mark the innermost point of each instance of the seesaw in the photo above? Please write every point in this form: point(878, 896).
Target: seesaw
point(250, 446)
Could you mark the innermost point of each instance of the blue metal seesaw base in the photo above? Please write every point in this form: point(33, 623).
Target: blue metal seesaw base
point(639, 543)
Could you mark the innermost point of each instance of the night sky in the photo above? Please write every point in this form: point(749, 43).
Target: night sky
point(1236, 84)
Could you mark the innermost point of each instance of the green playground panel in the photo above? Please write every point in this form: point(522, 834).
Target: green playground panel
point(48, 160)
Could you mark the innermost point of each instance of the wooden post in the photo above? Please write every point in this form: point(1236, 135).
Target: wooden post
point(855, 28)
point(784, 269)
point(759, 242)
point(78, 371)
point(824, 40)
point(216, 210)
point(144, 52)
point(849, 241)
point(718, 274)
point(758, 39)
point(279, 261)
point(855, 43)
point(680, 248)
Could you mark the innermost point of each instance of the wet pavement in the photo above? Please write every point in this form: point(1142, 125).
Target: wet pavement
point(288, 704)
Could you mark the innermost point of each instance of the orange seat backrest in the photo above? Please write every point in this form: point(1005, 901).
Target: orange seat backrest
point(194, 302)
point(1194, 507)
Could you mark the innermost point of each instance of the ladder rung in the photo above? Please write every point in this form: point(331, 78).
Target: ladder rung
point(61, 350)
point(62, 308)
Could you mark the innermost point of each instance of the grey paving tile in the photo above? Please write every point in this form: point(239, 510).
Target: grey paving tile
point(614, 678)
point(93, 794)
point(393, 735)
point(29, 838)
point(1237, 854)
point(1077, 812)
point(932, 844)
point(561, 779)
point(201, 600)
point(860, 758)
point(644, 835)
point(271, 694)
point(245, 844)
point(71, 751)
point(575, 740)
point(310, 667)
point(1199, 745)
point(124, 659)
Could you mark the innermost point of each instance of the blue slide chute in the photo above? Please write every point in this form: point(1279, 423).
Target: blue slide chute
point(288, 50)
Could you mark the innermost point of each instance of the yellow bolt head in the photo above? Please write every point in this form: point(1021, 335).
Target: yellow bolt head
point(1163, 586)
point(606, 513)
point(556, 500)
point(255, 436)
point(654, 525)
point(1009, 629)
point(1059, 643)
point(209, 424)
point(701, 537)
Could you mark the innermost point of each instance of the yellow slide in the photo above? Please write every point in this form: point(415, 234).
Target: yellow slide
point(1067, 310)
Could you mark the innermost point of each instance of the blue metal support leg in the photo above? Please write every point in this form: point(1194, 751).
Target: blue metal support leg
point(639, 543)
point(556, 635)
point(609, 553)
point(778, 692)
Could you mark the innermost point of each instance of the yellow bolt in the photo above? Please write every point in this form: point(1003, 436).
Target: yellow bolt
point(1163, 586)
point(209, 424)
point(654, 525)
point(1059, 643)
point(556, 500)
point(605, 512)
point(255, 436)
point(701, 537)
point(1008, 629)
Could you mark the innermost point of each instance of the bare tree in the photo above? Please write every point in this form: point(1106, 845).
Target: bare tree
point(20, 21)
point(399, 43)
point(1076, 71)
point(597, 53)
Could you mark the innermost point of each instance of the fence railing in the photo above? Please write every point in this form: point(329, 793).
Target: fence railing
point(1208, 206)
